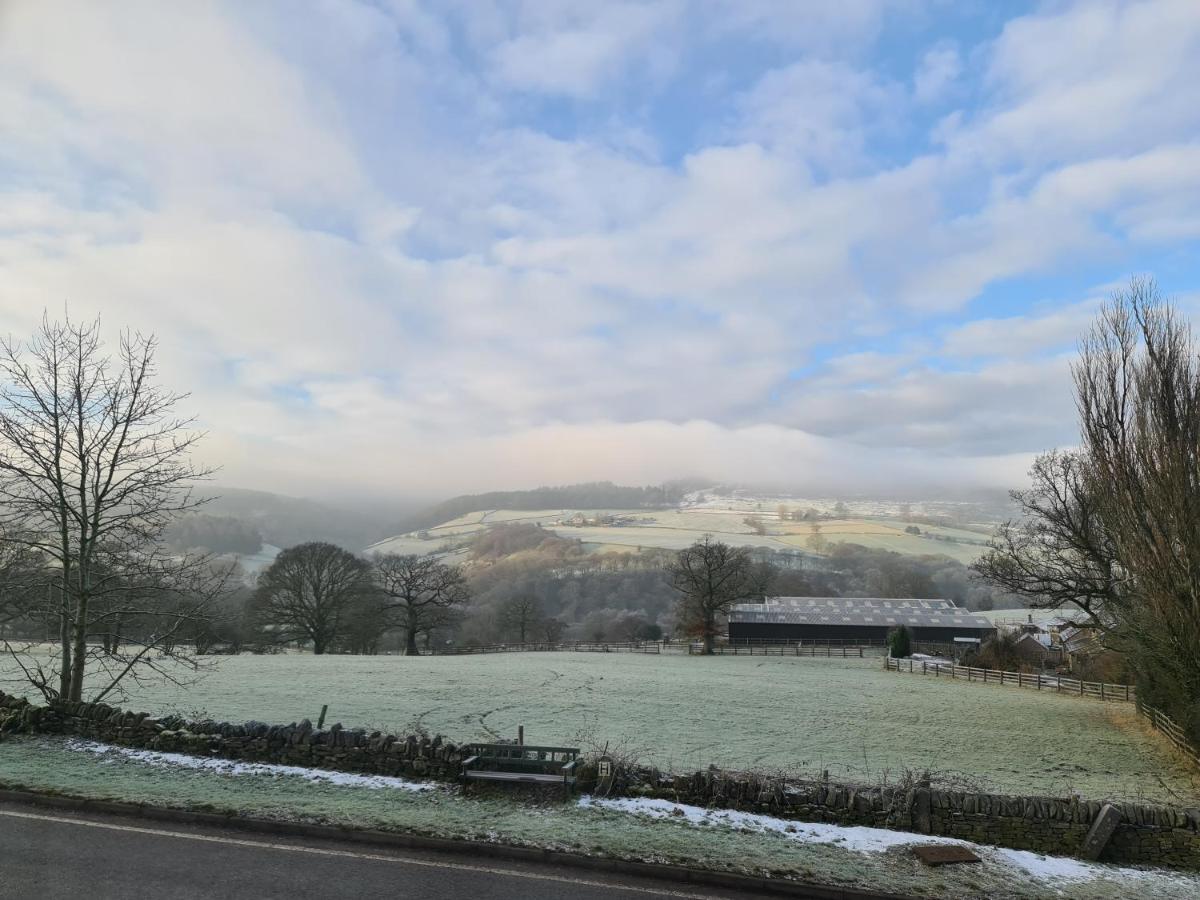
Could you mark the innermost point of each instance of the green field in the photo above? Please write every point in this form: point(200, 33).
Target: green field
point(802, 715)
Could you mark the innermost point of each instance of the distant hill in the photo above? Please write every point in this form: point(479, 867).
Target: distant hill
point(592, 495)
point(285, 521)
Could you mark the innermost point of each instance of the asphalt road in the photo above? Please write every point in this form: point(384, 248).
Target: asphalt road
point(44, 853)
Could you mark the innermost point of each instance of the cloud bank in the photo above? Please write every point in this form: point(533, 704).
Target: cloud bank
point(409, 248)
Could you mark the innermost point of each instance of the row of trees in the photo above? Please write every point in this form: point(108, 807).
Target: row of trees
point(324, 595)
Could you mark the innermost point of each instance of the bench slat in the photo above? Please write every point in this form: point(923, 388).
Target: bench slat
point(519, 776)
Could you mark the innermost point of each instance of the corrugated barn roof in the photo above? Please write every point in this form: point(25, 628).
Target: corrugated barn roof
point(856, 611)
point(858, 603)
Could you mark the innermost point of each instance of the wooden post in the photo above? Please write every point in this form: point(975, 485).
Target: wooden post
point(1102, 690)
point(521, 735)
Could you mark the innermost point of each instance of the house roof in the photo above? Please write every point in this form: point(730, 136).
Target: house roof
point(856, 611)
point(1040, 638)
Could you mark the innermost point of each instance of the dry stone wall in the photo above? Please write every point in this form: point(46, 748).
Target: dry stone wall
point(1146, 835)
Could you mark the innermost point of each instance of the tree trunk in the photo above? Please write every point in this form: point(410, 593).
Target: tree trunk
point(64, 637)
point(79, 650)
point(410, 648)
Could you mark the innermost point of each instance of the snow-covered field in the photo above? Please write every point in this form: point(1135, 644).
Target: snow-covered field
point(652, 830)
point(675, 529)
point(805, 715)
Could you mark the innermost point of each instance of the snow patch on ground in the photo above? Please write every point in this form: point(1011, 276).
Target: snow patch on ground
point(234, 768)
point(850, 837)
point(863, 839)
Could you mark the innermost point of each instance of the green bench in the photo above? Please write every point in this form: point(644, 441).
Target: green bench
point(521, 763)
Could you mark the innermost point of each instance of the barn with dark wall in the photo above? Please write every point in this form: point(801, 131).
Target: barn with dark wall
point(851, 619)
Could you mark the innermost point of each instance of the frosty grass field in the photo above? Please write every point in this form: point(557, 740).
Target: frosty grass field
point(682, 713)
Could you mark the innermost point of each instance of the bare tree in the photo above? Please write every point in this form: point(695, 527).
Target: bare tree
point(311, 592)
point(710, 577)
point(816, 541)
point(93, 467)
point(1058, 554)
point(1113, 529)
point(552, 630)
point(420, 592)
point(520, 613)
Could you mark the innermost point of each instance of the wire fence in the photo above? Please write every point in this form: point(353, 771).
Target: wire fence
point(1098, 690)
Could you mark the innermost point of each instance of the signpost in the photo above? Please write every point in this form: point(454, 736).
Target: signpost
point(606, 772)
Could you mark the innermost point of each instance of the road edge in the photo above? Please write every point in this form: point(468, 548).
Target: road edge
point(679, 875)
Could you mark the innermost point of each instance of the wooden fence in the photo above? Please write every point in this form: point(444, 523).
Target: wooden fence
point(780, 650)
point(1099, 690)
point(807, 642)
point(1172, 732)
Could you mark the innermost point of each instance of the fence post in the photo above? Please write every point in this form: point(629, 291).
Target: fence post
point(1081, 688)
point(1102, 690)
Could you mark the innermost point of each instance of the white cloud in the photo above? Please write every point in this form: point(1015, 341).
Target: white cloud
point(939, 69)
point(374, 256)
point(820, 111)
point(1090, 79)
point(574, 49)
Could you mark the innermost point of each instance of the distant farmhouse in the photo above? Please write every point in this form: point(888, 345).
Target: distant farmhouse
point(851, 619)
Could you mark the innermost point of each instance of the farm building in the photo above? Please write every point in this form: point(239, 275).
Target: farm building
point(850, 619)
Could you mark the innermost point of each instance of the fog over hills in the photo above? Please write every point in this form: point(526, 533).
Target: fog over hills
point(284, 520)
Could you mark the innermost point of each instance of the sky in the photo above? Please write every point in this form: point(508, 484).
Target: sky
point(412, 248)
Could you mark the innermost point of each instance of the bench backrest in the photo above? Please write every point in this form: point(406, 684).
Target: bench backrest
point(522, 754)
